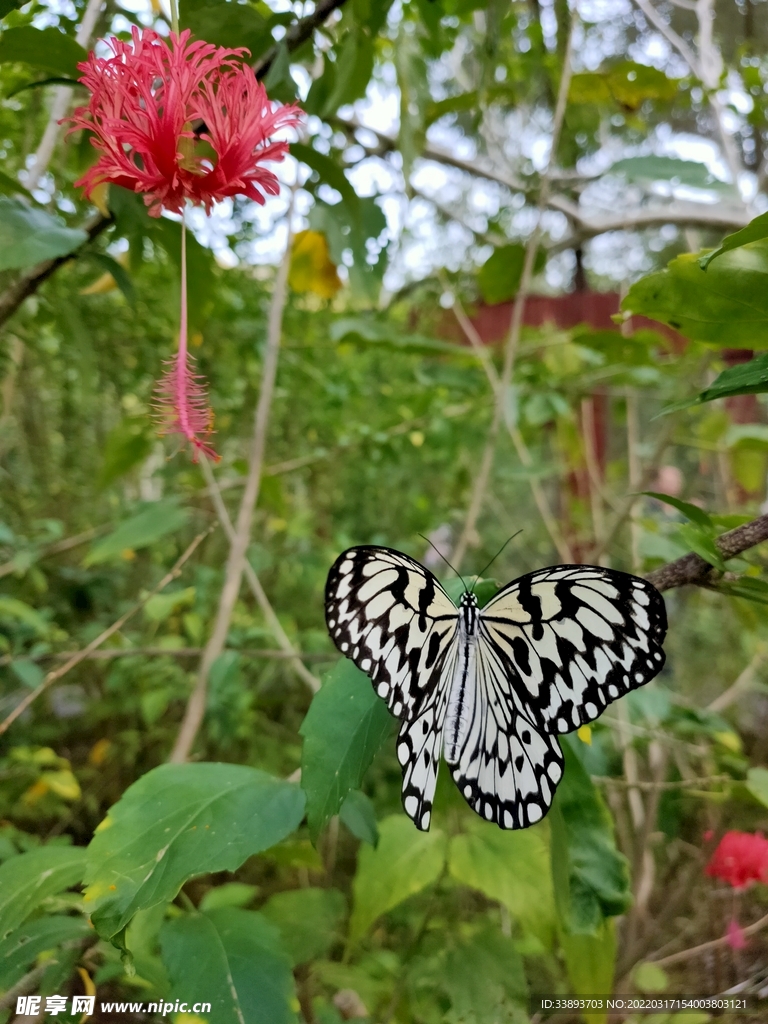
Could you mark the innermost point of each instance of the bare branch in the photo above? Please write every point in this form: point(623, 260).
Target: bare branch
point(110, 653)
point(78, 656)
point(297, 34)
point(704, 947)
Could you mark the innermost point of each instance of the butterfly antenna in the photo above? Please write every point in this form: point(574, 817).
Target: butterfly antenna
point(437, 549)
point(487, 567)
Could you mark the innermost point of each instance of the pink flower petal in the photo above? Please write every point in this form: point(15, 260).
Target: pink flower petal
point(735, 935)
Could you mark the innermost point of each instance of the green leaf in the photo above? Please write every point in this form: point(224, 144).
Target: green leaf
point(354, 67)
point(405, 862)
point(364, 331)
point(45, 48)
point(233, 960)
point(757, 784)
point(227, 24)
point(591, 961)
point(727, 306)
point(693, 512)
point(753, 232)
point(507, 867)
point(667, 168)
point(27, 879)
point(231, 894)
point(748, 587)
point(343, 730)
point(484, 979)
point(157, 519)
point(328, 171)
point(121, 276)
point(309, 921)
point(10, 187)
point(499, 277)
point(703, 543)
point(744, 379)
point(29, 236)
point(591, 877)
point(280, 83)
point(179, 821)
point(358, 815)
point(127, 445)
point(21, 948)
point(13, 608)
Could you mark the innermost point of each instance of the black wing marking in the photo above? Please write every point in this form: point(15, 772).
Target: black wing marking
point(575, 638)
point(507, 769)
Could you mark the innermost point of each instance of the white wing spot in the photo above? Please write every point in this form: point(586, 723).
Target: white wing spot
point(509, 821)
point(425, 820)
point(639, 677)
point(590, 708)
point(397, 707)
point(411, 805)
point(382, 689)
point(613, 691)
point(365, 664)
point(402, 753)
point(534, 812)
point(345, 647)
point(488, 811)
point(467, 792)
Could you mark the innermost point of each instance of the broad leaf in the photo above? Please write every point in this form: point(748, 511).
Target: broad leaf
point(157, 519)
point(11, 187)
point(591, 877)
point(591, 961)
point(22, 947)
point(404, 863)
point(667, 168)
point(726, 306)
point(312, 269)
point(27, 879)
point(693, 512)
point(228, 24)
point(359, 816)
point(744, 379)
point(750, 588)
point(177, 822)
point(757, 784)
point(328, 171)
point(507, 867)
point(45, 48)
point(499, 277)
point(13, 608)
point(233, 960)
point(343, 730)
point(753, 232)
point(309, 921)
point(484, 979)
point(702, 542)
point(29, 236)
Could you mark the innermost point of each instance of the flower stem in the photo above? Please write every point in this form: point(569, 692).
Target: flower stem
point(174, 4)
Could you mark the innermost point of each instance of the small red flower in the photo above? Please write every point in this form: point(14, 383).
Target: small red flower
point(145, 100)
point(740, 859)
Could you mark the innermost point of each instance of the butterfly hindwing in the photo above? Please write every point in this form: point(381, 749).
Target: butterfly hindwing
point(507, 769)
point(577, 637)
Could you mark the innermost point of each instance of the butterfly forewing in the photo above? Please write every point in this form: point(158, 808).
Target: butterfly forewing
point(576, 637)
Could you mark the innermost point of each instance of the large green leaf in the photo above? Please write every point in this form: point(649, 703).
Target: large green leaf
point(358, 814)
point(22, 947)
point(29, 236)
point(753, 232)
point(309, 921)
point(233, 960)
point(743, 379)
point(667, 168)
point(404, 863)
point(27, 879)
point(726, 306)
point(484, 979)
point(179, 821)
point(157, 519)
point(499, 277)
point(228, 24)
point(507, 867)
point(693, 512)
point(591, 877)
point(328, 171)
point(45, 48)
point(590, 961)
point(343, 730)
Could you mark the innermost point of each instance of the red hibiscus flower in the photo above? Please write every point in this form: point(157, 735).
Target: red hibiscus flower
point(740, 859)
point(146, 99)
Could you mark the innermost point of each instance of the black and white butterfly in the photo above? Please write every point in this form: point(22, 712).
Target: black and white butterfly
point(489, 689)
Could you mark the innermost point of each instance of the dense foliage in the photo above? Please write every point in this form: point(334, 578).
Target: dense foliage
point(268, 868)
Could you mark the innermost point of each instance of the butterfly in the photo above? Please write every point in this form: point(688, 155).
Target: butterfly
point(489, 689)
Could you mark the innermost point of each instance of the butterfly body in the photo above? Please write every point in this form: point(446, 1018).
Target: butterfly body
point(489, 689)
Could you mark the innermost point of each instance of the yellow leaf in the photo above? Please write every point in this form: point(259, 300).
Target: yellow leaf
point(90, 988)
point(63, 783)
point(35, 792)
point(729, 740)
point(102, 285)
point(585, 734)
point(312, 269)
point(416, 438)
point(99, 752)
point(100, 197)
point(128, 554)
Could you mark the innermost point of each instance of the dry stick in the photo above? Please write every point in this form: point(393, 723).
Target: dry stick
point(539, 496)
point(501, 412)
point(78, 656)
point(62, 97)
point(254, 583)
point(236, 561)
point(742, 684)
point(162, 652)
point(651, 787)
point(593, 468)
point(694, 951)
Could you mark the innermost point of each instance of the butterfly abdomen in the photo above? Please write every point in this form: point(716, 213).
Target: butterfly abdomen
point(461, 700)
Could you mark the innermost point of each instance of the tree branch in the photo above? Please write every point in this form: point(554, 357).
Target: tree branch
point(692, 569)
point(297, 34)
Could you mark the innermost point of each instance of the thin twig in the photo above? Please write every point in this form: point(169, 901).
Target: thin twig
point(652, 787)
point(287, 648)
point(162, 652)
point(195, 710)
point(58, 547)
point(502, 413)
point(742, 684)
point(694, 951)
point(54, 676)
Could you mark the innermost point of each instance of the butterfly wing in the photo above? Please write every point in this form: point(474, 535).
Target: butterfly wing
point(391, 617)
point(507, 769)
point(575, 638)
